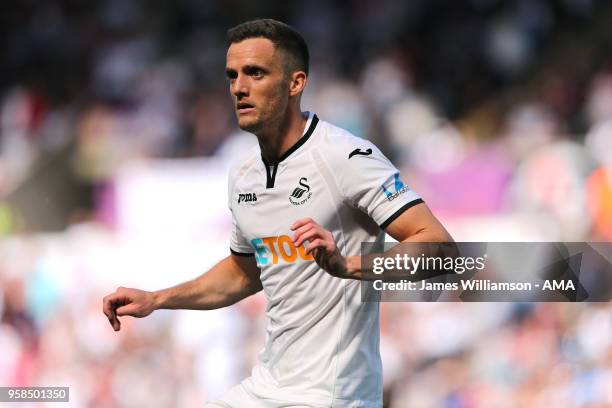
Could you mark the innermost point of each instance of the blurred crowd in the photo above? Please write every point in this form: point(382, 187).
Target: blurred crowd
point(498, 113)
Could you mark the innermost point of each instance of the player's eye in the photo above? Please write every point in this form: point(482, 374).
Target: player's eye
point(256, 73)
point(231, 75)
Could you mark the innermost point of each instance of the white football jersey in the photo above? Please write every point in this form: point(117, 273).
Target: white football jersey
point(322, 341)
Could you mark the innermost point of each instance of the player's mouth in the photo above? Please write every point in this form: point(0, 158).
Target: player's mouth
point(244, 108)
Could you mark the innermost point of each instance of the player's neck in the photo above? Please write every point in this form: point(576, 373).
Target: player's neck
point(277, 141)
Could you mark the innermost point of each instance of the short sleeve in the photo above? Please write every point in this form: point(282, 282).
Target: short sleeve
point(370, 182)
point(239, 245)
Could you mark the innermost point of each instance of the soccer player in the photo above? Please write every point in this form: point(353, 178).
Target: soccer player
point(302, 202)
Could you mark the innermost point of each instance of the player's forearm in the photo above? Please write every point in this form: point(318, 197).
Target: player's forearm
point(222, 286)
point(423, 244)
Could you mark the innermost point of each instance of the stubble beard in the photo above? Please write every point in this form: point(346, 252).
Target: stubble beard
point(269, 120)
point(264, 123)
point(252, 126)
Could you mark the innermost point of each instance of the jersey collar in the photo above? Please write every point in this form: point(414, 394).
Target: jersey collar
point(310, 127)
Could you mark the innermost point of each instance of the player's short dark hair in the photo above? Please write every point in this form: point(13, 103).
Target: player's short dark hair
point(282, 35)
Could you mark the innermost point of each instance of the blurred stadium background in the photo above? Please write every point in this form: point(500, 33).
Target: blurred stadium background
point(117, 131)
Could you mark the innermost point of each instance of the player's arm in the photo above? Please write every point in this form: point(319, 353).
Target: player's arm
point(417, 224)
point(232, 279)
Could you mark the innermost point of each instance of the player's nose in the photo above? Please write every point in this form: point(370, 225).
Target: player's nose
point(240, 86)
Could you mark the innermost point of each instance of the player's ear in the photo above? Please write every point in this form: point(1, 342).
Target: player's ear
point(297, 83)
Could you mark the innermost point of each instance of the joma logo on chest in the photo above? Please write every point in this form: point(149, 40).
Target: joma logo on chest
point(247, 198)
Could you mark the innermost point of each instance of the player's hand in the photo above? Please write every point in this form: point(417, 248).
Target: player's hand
point(127, 302)
point(321, 245)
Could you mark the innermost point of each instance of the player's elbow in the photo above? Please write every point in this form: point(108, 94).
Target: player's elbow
point(253, 287)
point(249, 285)
point(435, 233)
point(440, 234)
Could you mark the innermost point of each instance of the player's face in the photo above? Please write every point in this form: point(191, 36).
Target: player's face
point(258, 83)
